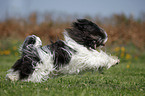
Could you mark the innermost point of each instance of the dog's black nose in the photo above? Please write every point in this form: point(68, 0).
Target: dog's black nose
point(117, 63)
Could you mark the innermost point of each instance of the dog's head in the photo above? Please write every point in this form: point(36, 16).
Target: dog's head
point(32, 40)
point(87, 33)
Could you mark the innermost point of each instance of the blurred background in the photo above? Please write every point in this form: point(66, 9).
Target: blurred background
point(123, 20)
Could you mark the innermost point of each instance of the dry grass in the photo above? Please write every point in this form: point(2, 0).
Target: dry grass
point(123, 34)
point(121, 29)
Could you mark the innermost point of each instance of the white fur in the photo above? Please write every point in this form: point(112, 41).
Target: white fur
point(13, 76)
point(43, 68)
point(86, 59)
point(106, 37)
point(38, 43)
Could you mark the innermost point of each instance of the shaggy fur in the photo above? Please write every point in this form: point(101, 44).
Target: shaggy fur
point(77, 53)
point(87, 33)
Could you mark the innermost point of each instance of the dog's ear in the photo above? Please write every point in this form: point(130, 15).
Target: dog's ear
point(87, 33)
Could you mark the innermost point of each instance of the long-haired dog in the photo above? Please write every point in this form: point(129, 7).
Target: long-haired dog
point(71, 56)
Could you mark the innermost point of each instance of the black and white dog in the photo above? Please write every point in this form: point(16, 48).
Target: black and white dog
point(71, 56)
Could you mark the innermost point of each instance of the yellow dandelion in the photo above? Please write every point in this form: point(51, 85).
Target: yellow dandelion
point(122, 49)
point(14, 48)
point(116, 49)
point(7, 52)
point(128, 66)
point(122, 54)
point(1, 52)
point(135, 57)
point(128, 56)
point(16, 53)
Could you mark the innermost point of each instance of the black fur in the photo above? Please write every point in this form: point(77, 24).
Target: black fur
point(87, 33)
point(30, 40)
point(61, 53)
point(25, 65)
point(29, 59)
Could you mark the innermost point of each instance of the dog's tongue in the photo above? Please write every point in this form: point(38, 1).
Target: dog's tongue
point(103, 44)
point(95, 46)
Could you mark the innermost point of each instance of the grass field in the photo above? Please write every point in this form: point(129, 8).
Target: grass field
point(121, 80)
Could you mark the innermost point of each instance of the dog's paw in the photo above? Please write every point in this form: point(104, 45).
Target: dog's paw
point(114, 61)
point(12, 76)
point(117, 61)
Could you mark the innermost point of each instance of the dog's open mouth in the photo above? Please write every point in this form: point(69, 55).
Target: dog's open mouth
point(102, 44)
point(95, 45)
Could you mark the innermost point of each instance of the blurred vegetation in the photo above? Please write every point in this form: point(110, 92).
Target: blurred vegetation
point(122, 30)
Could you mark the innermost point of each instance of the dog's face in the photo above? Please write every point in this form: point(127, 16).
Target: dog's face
point(87, 33)
point(32, 40)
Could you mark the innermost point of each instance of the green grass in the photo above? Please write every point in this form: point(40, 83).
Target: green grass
point(116, 81)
